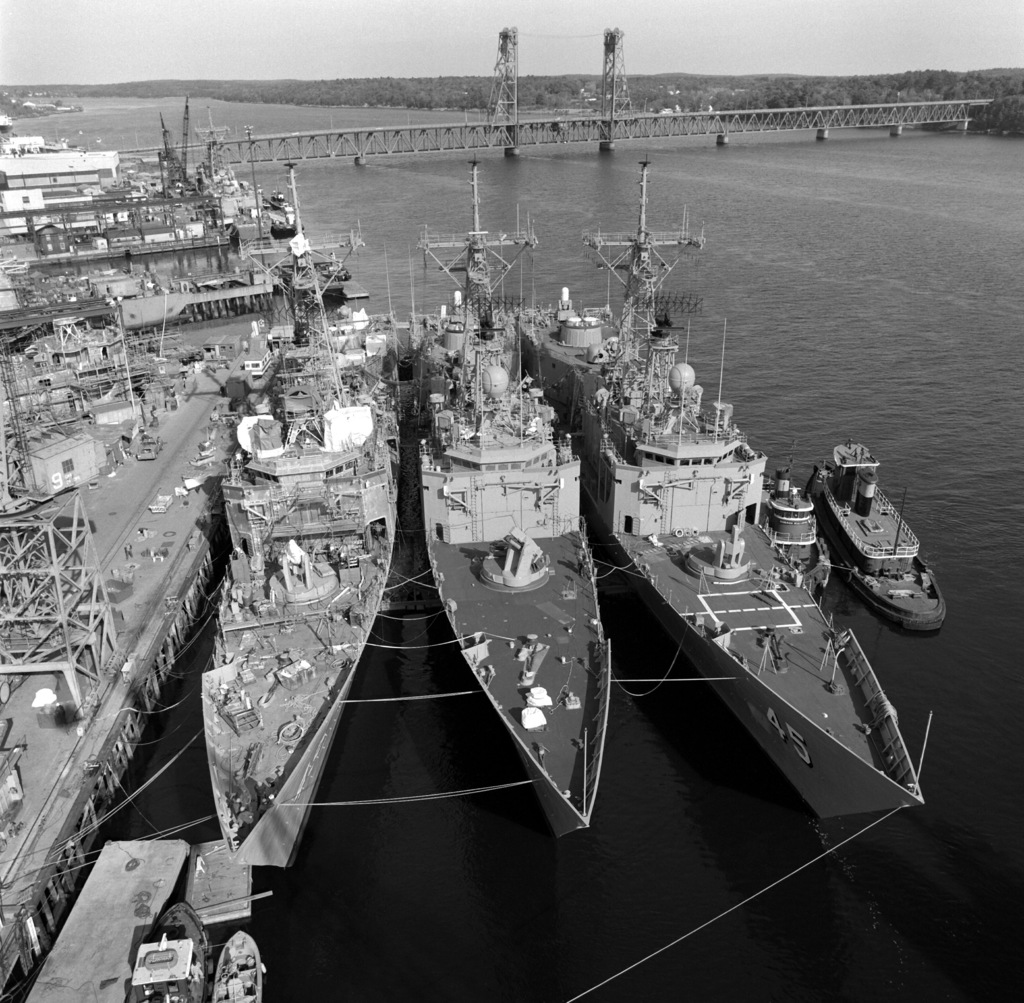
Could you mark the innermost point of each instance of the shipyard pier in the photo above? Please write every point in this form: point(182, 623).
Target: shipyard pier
point(102, 583)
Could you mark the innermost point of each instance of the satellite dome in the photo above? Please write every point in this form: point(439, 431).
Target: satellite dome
point(494, 381)
point(681, 377)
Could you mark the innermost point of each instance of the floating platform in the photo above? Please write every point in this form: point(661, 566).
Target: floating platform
point(220, 891)
point(128, 889)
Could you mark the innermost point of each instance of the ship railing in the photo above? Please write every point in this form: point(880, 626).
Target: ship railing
point(886, 507)
point(693, 436)
point(247, 248)
point(787, 540)
point(609, 449)
point(595, 742)
point(907, 549)
point(884, 725)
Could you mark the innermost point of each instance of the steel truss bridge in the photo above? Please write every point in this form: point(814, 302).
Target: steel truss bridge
point(612, 120)
point(513, 136)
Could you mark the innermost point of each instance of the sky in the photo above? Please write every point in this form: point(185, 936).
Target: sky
point(109, 41)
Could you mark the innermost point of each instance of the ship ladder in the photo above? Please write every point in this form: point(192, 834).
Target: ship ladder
point(471, 498)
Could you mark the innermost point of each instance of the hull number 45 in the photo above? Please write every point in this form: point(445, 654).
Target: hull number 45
point(791, 735)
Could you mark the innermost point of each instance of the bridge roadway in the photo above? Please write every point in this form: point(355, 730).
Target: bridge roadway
point(510, 136)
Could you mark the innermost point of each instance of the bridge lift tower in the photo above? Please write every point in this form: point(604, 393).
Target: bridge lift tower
point(504, 100)
point(614, 89)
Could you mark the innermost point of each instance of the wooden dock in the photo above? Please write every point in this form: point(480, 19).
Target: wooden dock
point(128, 889)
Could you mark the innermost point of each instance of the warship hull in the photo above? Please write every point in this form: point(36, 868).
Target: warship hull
point(830, 778)
point(566, 772)
point(275, 838)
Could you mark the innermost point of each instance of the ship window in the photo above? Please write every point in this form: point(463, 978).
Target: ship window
point(627, 524)
point(67, 466)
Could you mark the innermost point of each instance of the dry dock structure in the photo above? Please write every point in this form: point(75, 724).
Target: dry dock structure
point(100, 587)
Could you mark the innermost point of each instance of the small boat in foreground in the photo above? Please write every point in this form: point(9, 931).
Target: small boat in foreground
point(171, 964)
point(875, 550)
point(239, 977)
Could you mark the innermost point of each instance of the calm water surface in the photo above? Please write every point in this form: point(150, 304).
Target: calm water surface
point(871, 288)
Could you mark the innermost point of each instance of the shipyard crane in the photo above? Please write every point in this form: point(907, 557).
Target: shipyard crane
point(170, 162)
point(174, 165)
point(184, 144)
point(9, 503)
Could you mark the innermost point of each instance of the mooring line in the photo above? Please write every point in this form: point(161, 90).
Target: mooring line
point(404, 800)
point(423, 696)
point(733, 908)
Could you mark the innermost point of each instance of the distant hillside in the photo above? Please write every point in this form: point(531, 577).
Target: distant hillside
point(687, 92)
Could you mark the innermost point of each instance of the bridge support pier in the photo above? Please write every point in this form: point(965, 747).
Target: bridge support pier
point(511, 151)
point(822, 135)
point(722, 139)
point(360, 160)
point(962, 126)
point(606, 145)
point(896, 130)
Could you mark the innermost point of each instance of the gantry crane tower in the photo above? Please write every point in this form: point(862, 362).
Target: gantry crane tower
point(174, 165)
point(55, 615)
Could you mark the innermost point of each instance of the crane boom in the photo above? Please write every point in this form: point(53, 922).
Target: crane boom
point(184, 144)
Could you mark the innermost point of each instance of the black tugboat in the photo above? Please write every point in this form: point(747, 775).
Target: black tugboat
point(876, 552)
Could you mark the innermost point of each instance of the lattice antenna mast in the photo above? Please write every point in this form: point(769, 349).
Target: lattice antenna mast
point(481, 257)
point(614, 89)
point(636, 260)
point(504, 100)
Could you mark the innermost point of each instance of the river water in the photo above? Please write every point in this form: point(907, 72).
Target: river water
point(871, 289)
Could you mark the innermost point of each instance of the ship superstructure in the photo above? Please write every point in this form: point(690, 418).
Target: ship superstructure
point(310, 507)
point(478, 265)
point(565, 350)
point(675, 490)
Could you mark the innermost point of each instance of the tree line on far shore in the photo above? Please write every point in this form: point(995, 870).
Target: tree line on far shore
point(580, 94)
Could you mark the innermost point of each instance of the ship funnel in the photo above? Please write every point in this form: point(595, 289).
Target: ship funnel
point(866, 481)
